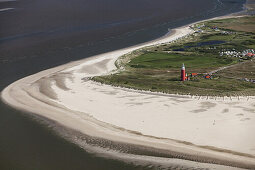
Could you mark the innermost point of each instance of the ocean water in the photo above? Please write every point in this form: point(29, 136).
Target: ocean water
point(40, 34)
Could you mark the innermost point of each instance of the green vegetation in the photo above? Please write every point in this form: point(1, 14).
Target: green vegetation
point(157, 68)
point(245, 24)
point(174, 60)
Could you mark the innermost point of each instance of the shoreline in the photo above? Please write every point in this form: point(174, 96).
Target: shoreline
point(38, 103)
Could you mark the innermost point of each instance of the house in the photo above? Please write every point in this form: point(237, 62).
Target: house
point(193, 74)
point(208, 76)
point(250, 55)
point(214, 27)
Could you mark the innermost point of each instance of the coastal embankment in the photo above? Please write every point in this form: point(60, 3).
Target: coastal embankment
point(209, 130)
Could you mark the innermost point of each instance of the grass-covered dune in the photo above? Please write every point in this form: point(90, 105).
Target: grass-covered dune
point(215, 45)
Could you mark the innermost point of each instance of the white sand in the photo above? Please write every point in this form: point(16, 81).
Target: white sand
point(63, 94)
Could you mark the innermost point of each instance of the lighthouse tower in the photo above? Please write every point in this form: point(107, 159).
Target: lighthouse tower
point(183, 75)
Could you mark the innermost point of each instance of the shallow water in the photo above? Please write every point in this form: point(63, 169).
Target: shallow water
point(40, 34)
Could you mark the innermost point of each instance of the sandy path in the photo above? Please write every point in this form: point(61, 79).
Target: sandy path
point(208, 130)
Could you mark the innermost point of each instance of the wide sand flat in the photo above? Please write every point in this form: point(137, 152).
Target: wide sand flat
point(221, 130)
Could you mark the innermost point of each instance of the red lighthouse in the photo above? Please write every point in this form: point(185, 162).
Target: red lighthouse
point(183, 75)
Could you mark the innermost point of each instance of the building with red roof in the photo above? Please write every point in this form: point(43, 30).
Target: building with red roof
point(208, 76)
point(250, 54)
point(194, 74)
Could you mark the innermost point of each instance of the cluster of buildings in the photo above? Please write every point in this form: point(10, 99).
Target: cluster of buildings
point(185, 77)
point(221, 31)
point(249, 80)
point(234, 53)
point(227, 32)
point(199, 27)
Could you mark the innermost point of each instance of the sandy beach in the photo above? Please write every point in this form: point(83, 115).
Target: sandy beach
point(204, 129)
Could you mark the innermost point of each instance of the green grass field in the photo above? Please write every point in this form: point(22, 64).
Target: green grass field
point(159, 60)
point(158, 68)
